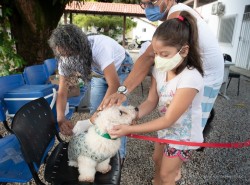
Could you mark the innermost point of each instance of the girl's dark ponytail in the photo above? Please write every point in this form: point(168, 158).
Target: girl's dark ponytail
point(194, 56)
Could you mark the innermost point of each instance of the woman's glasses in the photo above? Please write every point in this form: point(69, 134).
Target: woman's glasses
point(148, 4)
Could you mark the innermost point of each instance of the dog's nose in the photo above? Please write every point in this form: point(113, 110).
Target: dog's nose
point(136, 109)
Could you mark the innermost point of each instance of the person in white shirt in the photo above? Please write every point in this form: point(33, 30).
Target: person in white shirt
point(176, 91)
point(95, 57)
point(212, 58)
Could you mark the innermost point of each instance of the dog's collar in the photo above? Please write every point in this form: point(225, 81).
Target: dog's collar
point(105, 135)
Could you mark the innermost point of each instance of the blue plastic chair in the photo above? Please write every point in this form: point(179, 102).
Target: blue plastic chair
point(8, 83)
point(12, 163)
point(51, 65)
point(36, 74)
point(15, 166)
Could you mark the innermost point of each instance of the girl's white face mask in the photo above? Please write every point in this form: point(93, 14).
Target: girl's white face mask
point(167, 64)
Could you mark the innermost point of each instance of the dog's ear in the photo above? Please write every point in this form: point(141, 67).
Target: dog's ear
point(96, 114)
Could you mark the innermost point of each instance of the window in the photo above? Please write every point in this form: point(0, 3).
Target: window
point(226, 30)
point(143, 29)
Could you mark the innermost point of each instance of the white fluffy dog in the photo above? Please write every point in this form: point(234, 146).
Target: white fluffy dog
point(91, 151)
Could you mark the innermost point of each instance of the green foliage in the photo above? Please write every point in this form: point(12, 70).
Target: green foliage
point(108, 25)
point(10, 62)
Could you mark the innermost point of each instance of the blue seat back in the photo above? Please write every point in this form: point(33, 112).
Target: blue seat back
point(51, 65)
point(36, 75)
point(8, 83)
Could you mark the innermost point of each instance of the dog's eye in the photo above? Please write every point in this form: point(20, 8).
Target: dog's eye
point(122, 112)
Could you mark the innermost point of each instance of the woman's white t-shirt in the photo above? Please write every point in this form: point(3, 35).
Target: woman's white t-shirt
point(212, 57)
point(188, 126)
point(105, 51)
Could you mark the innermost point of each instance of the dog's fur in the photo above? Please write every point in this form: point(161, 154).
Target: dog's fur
point(98, 148)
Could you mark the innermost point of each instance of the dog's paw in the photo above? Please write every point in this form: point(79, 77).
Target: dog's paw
point(84, 178)
point(81, 126)
point(73, 163)
point(103, 171)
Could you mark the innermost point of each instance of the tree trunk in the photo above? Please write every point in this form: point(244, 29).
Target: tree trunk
point(32, 22)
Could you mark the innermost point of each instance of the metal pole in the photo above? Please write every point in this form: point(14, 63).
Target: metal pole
point(124, 30)
point(195, 4)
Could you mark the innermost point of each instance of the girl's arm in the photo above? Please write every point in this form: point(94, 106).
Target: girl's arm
point(180, 103)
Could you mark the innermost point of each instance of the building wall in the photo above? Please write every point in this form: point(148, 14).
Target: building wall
point(144, 29)
point(232, 7)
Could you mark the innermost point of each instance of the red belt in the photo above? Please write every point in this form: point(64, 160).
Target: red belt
point(208, 145)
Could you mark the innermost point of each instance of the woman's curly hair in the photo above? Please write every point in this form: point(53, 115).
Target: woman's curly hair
point(71, 43)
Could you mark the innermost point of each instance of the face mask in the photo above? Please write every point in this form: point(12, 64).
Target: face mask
point(71, 60)
point(167, 64)
point(154, 13)
point(69, 65)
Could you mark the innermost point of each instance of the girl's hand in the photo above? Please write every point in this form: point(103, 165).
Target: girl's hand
point(119, 131)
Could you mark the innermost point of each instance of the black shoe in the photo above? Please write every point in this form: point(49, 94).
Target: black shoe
point(201, 149)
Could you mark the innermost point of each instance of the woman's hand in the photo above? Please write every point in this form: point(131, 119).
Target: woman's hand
point(66, 127)
point(113, 99)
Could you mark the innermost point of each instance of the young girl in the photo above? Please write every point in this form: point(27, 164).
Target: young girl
point(177, 88)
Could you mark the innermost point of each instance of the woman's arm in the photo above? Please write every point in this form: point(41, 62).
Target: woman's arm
point(136, 76)
point(61, 101)
point(140, 70)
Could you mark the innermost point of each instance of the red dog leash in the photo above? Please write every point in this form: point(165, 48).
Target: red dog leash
point(208, 145)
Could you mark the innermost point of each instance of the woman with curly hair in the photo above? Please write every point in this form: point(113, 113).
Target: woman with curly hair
point(95, 57)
